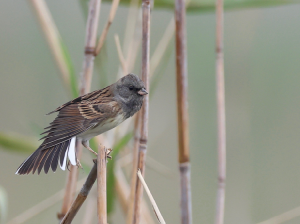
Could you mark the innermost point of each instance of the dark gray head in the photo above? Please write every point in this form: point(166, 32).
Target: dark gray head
point(130, 91)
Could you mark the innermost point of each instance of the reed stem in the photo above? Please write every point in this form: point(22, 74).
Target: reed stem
point(85, 84)
point(221, 114)
point(182, 113)
point(130, 210)
point(145, 109)
point(53, 39)
point(101, 185)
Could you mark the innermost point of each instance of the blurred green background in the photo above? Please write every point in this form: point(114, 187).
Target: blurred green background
point(262, 79)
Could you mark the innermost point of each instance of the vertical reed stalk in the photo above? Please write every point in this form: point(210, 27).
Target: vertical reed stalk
point(85, 84)
point(182, 113)
point(221, 114)
point(145, 108)
point(101, 185)
point(90, 45)
point(130, 210)
point(112, 13)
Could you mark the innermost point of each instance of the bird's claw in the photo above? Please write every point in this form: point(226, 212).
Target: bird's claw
point(108, 153)
point(78, 164)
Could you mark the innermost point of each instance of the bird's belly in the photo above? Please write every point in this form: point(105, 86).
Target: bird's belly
point(101, 128)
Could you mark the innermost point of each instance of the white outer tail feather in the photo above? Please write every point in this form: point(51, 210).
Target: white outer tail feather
point(70, 153)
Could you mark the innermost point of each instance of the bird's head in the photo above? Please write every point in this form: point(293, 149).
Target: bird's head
point(130, 87)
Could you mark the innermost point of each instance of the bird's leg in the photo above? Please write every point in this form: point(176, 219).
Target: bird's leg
point(86, 145)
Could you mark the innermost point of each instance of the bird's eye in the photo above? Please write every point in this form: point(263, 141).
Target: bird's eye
point(131, 88)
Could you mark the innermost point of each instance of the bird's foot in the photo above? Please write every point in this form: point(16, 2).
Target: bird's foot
point(108, 151)
point(78, 164)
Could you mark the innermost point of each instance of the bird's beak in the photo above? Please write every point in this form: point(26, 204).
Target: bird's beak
point(142, 92)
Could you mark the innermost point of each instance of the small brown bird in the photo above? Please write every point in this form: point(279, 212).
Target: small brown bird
point(82, 119)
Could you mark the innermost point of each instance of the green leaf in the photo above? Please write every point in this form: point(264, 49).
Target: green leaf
point(110, 171)
point(17, 143)
point(209, 5)
point(3, 205)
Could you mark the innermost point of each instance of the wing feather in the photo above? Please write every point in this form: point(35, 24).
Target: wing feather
point(74, 118)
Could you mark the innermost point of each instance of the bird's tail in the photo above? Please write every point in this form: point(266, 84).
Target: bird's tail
point(50, 157)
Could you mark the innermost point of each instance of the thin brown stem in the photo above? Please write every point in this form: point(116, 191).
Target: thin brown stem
point(134, 43)
point(53, 38)
point(284, 217)
point(112, 13)
point(85, 84)
point(90, 44)
point(221, 114)
point(145, 108)
point(69, 190)
point(154, 205)
point(81, 196)
point(130, 210)
point(130, 26)
point(121, 187)
point(90, 209)
point(42, 206)
point(120, 54)
point(162, 47)
point(101, 185)
point(123, 191)
point(182, 113)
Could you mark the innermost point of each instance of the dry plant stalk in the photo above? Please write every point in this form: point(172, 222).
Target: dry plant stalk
point(42, 206)
point(135, 42)
point(90, 44)
point(145, 108)
point(130, 28)
point(53, 38)
point(120, 54)
point(221, 114)
point(85, 84)
point(182, 113)
point(123, 192)
point(90, 209)
point(112, 13)
point(131, 200)
point(162, 47)
point(81, 196)
point(121, 187)
point(154, 205)
point(284, 217)
point(101, 185)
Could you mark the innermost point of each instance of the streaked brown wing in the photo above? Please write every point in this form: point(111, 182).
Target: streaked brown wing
point(68, 123)
point(89, 97)
point(75, 119)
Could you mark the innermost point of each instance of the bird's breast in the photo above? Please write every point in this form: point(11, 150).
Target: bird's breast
point(102, 127)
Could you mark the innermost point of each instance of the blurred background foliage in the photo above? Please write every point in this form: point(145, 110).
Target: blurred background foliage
point(262, 67)
point(209, 5)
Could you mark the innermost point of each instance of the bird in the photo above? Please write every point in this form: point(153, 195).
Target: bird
point(83, 118)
